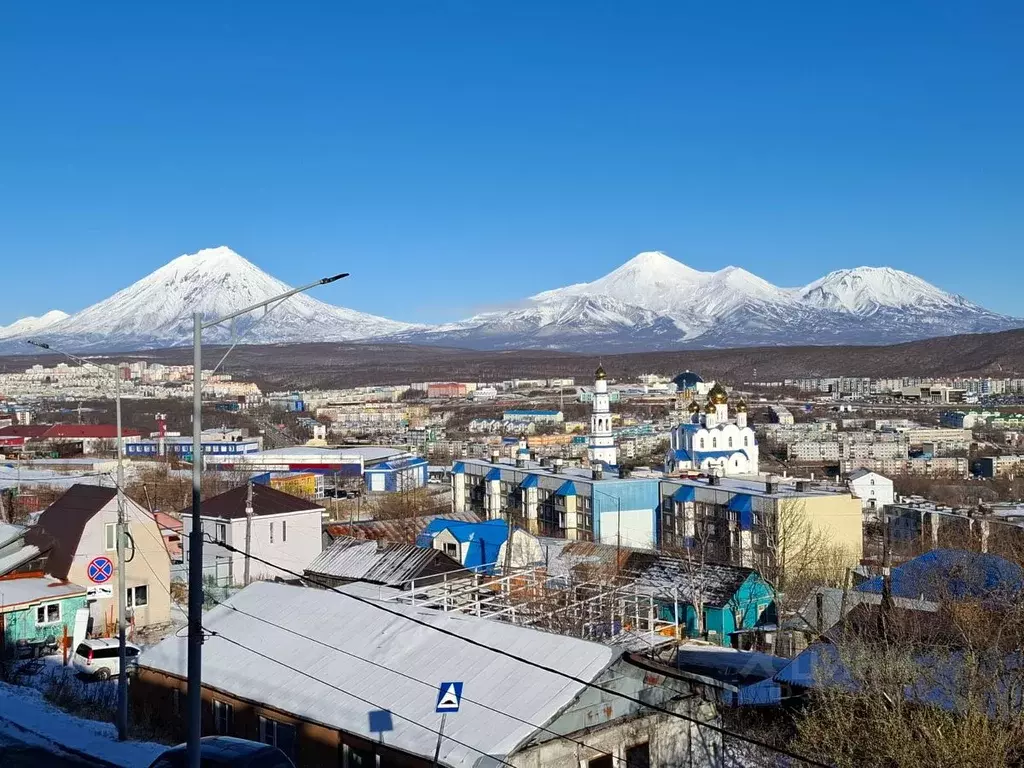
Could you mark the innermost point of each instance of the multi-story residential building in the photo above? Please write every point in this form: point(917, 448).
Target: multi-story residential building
point(999, 466)
point(524, 418)
point(758, 524)
point(780, 414)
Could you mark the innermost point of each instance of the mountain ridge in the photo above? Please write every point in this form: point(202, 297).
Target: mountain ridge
point(650, 302)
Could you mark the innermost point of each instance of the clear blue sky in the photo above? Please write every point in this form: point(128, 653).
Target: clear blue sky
point(453, 155)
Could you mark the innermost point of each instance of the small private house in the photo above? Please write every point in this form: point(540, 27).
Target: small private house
point(79, 527)
point(731, 598)
point(372, 699)
point(37, 612)
point(873, 490)
point(284, 529)
point(474, 545)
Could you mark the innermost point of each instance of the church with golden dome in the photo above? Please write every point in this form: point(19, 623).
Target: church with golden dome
point(712, 441)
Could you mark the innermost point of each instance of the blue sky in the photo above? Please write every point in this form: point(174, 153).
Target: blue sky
point(453, 155)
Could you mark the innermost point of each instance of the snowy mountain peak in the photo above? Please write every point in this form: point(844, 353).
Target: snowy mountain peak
point(32, 324)
point(863, 290)
point(156, 311)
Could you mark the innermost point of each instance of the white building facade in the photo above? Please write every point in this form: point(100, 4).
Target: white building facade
point(712, 441)
point(602, 439)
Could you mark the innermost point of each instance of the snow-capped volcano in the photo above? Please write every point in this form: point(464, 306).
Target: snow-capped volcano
point(864, 290)
point(28, 325)
point(655, 302)
point(157, 310)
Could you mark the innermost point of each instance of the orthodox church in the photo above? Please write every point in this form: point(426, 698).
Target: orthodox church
point(710, 441)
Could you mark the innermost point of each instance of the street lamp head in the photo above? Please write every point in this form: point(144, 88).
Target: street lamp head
point(333, 278)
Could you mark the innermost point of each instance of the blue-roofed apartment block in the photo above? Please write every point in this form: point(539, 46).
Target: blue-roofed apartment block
point(567, 503)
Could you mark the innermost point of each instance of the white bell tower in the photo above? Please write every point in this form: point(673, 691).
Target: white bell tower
point(602, 441)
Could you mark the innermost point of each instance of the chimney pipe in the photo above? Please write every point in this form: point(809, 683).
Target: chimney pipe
point(597, 472)
point(769, 484)
point(495, 457)
point(556, 465)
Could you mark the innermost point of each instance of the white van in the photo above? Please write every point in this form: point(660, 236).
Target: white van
point(98, 658)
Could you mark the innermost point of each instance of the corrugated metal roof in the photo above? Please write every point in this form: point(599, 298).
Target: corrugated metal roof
point(402, 530)
point(378, 562)
point(403, 648)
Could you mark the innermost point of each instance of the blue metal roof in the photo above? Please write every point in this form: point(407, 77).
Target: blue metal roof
point(530, 482)
point(952, 573)
point(458, 468)
point(494, 474)
point(568, 488)
point(741, 503)
point(685, 493)
point(681, 455)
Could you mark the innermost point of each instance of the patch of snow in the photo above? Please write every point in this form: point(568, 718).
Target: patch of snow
point(27, 325)
point(25, 716)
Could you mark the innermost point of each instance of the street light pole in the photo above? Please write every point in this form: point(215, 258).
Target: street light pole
point(194, 721)
point(122, 586)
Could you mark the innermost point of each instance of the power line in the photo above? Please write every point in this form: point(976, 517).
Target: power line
point(551, 670)
point(354, 696)
point(415, 679)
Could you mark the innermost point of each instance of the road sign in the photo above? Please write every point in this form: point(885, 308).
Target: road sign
point(449, 697)
point(100, 570)
point(99, 593)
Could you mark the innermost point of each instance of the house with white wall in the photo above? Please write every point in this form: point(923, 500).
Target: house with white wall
point(874, 490)
point(284, 530)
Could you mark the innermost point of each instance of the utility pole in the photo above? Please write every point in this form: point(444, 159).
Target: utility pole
point(119, 533)
point(194, 719)
point(122, 582)
point(248, 529)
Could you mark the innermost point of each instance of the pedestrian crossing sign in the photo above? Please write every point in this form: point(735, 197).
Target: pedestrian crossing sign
point(449, 697)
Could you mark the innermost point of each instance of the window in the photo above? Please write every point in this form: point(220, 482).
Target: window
point(746, 441)
point(284, 530)
point(221, 531)
point(639, 756)
point(271, 533)
point(730, 442)
point(138, 596)
point(223, 717)
point(452, 550)
point(110, 536)
point(280, 735)
point(604, 761)
point(702, 443)
point(714, 442)
point(358, 758)
point(48, 614)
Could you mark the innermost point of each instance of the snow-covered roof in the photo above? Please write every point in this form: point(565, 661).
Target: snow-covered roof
point(34, 589)
point(401, 648)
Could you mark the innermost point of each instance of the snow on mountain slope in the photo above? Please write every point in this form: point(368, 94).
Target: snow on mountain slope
point(157, 310)
point(651, 280)
point(864, 290)
point(28, 325)
point(655, 302)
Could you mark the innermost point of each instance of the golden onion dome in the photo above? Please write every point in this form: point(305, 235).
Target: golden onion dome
point(694, 407)
point(600, 374)
point(710, 407)
point(741, 406)
point(718, 395)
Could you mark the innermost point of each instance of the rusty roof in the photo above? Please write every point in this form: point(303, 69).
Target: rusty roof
point(401, 530)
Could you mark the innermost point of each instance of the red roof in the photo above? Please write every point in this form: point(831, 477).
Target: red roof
point(31, 431)
point(165, 521)
point(101, 431)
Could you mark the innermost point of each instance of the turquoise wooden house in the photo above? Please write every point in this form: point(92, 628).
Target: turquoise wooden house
point(733, 598)
point(35, 611)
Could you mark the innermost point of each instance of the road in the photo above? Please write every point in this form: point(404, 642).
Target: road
point(17, 754)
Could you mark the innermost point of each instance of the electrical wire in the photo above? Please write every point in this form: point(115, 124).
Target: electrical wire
point(430, 685)
point(551, 670)
point(298, 671)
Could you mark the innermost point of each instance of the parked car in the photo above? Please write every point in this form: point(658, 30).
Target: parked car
point(98, 657)
point(226, 752)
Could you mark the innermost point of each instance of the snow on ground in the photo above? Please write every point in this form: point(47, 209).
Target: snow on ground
point(26, 717)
